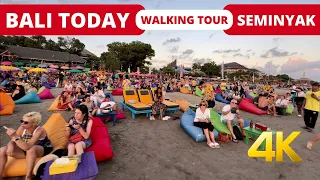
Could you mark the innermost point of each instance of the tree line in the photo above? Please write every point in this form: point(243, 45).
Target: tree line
point(117, 55)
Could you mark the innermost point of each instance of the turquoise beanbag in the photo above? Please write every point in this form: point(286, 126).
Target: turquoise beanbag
point(29, 98)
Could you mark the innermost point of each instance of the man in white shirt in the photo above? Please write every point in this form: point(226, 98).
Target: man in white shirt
point(230, 116)
point(108, 103)
point(282, 102)
point(68, 87)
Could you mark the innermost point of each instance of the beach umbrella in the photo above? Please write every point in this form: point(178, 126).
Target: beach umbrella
point(3, 70)
point(18, 63)
point(28, 68)
point(42, 66)
point(75, 71)
point(73, 67)
point(64, 67)
point(9, 68)
point(32, 65)
point(38, 70)
point(54, 66)
point(86, 70)
point(79, 67)
point(6, 63)
point(22, 68)
point(52, 69)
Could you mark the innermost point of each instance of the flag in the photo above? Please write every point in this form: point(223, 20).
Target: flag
point(129, 70)
point(138, 70)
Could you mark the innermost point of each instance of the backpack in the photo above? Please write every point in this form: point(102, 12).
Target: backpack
point(237, 133)
point(224, 137)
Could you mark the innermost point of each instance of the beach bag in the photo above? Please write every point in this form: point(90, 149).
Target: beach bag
point(76, 138)
point(237, 133)
point(224, 137)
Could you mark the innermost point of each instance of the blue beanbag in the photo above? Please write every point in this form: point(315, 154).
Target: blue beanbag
point(52, 84)
point(220, 99)
point(29, 98)
point(186, 123)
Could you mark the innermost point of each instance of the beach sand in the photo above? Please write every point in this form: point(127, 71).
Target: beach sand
point(161, 150)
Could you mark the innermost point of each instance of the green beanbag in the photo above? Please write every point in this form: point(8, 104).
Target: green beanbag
point(218, 125)
point(290, 109)
point(198, 92)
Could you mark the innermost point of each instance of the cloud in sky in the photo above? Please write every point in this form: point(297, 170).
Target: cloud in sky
point(201, 60)
point(226, 51)
point(172, 40)
point(186, 54)
point(297, 66)
point(276, 52)
point(247, 56)
point(173, 49)
point(269, 68)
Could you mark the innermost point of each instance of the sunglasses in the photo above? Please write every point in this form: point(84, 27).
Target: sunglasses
point(24, 122)
point(202, 105)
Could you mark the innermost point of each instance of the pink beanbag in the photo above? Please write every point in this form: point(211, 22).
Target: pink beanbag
point(46, 94)
point(101, 144)
point(117, 92)
point(246, 105)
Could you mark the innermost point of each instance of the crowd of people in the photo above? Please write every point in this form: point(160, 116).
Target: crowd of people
point(85, 95)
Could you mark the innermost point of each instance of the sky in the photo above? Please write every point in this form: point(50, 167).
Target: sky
point(296, 56)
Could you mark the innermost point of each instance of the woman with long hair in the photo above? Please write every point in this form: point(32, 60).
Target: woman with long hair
point(18, 93)
point(65, 101)
point(158, 105)
point(78, 131)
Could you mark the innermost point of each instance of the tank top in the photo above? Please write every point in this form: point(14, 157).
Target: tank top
point(44, 142)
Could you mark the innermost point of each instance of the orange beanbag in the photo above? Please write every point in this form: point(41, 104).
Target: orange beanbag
point(7, 104)
point(184, 90)
point(184, 105)
point(54, 105)
point(56, 131)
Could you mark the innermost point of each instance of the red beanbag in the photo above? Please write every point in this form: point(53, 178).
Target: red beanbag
point(101, 144)
point(117, 92)
point(246, 105)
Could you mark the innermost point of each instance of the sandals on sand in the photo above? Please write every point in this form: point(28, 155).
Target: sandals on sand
point(214, 145)
point(309, 145)
point(235, 140)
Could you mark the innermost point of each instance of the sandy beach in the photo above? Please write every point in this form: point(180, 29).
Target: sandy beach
point(161, 150)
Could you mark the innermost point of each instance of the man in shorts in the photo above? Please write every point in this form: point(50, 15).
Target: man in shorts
point(230, 116)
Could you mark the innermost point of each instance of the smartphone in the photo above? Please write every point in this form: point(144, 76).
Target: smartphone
point(70, 126)
point(5, 127)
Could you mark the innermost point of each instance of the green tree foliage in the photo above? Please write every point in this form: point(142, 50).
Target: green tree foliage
point(124, 55)
point(283, 77)
point(71, 45)
point(211, 69)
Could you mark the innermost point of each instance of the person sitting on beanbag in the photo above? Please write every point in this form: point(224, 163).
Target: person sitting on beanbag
point(18, 93)
point(65, 101)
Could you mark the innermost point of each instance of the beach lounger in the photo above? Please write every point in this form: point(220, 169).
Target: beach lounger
point(171, 106)
point(132, 103)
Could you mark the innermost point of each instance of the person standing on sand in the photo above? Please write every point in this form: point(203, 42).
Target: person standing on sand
point(311, 107)
point(313, 140)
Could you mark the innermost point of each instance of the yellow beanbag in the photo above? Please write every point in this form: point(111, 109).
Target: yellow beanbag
point(184, 105)
point(7, 104)
point(54, 105)
point(56, 131)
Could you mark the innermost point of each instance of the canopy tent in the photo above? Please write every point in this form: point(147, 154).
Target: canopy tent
point(6, 63)
point(38, 70)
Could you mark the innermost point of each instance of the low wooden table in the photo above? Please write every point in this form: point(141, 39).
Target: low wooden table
point(255, 133)
point(87, 169)
point(112, 114)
